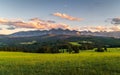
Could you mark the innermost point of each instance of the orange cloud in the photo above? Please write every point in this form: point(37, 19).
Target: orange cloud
point(34, 23)
point(3, 21)
point(68, 17)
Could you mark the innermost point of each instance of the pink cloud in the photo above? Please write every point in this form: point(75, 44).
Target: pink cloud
point(68, 17)
point(34, 23)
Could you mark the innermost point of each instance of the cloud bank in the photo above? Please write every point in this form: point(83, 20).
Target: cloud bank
point(34, 23)
point(68, 17)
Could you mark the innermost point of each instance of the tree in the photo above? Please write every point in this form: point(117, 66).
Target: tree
point(75, 48)
point(99, 49)
point(69, 48)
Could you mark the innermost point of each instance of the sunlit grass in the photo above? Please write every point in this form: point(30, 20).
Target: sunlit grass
point(84, 63)
point(75, 43)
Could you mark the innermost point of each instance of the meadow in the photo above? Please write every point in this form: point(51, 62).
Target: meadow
point(84, 63)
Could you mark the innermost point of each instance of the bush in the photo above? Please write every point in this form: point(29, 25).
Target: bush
point(99, 50)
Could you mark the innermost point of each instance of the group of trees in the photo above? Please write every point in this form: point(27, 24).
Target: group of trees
point(101, 49)
point(86, 45)
point(36, 48)
point(61, 48)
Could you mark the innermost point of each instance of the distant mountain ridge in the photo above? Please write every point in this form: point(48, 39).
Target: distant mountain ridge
point(45, 32)
point(115, 34)
point(53, 32)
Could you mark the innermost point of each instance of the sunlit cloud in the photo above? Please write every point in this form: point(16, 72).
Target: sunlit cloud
point(2, 20)
point(34, 23)
point(93, 28)
point(100, 28)
point(66, 16)
point(115, 28)
point(8, 31)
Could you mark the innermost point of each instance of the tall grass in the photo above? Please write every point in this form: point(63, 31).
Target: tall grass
point(84, 63)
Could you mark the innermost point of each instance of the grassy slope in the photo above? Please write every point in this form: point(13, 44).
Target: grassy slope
point(75, 43)
point(84, 63)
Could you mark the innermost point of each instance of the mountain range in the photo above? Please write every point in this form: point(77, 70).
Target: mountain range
point(115, 34)
point(45, 32)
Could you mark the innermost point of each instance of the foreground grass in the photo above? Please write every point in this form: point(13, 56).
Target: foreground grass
point(84, 63)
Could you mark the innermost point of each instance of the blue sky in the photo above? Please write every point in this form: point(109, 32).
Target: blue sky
point(93, 12)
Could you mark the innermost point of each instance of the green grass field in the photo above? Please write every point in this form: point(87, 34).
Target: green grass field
point(84, 63)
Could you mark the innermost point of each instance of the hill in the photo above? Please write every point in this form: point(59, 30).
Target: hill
point(54, 38)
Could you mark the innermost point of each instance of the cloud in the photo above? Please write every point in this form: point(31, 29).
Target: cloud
point(34, 23)
point(50, 21)
point(115, 28)
point(11, 28)
point(68, 17)
point(100, 28)
point(93, 28)
point(3, 20)
point(114, 21)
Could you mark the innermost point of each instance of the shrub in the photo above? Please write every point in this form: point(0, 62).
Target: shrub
point(99, 49)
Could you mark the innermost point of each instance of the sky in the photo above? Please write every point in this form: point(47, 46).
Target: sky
point(89, 15)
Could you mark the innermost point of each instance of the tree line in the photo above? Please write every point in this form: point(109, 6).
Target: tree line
point(57, 47)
